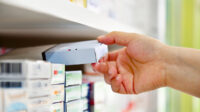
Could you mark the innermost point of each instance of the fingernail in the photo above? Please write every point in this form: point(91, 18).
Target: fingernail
point(101, 60)
point(100, 37)
point(93, 64)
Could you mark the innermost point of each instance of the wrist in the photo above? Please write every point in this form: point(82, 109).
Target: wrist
point(171, 64)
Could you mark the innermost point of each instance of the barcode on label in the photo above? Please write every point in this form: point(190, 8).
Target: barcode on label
point(9, 84)
point(10, 68)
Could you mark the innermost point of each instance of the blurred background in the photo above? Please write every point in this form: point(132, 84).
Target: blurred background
point(174, 22)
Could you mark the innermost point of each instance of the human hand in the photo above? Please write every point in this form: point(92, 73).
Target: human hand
point(136, 68)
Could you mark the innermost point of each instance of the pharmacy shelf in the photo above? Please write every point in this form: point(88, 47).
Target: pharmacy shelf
point(68, 11)
point(23, 28)
point(33, 53)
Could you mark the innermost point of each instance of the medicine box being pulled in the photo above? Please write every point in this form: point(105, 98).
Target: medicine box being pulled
point(76, 53)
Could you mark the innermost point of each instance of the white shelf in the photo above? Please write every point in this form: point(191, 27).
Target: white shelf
point(71, 12)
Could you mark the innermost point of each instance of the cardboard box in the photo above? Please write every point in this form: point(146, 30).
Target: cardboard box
point(24, 69)
point(1, 100)
point(33, 88)
point(38, 88)
point(58, 74)
point(74, 106)
point(73, 78)
point(76, 53)
point(72, 93)
point(40, 104)
point(84, 90)
point(57, 107)
point(57, 93)
point(40, 109)
point(85, 103)
point(15, 100)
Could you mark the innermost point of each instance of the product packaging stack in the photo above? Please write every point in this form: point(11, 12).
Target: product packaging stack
point(57, 88)
point(73, 102)
point(85, 97)
point(24, 86)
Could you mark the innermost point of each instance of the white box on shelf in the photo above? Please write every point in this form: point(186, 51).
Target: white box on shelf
point(73, 78)
point(58, 74)
point(57, 107)
point(44, 108)
point(15, 100)
point(38, 88)
point(1, 99)
point(33, 88)
point(57, 93)
point(84, 90)
point(40, 104)
point(74, 106)
point(85, 103)
point(76, 53)
point(72, 93)
point(27, 69)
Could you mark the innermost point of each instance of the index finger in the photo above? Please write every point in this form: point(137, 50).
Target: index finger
point(119, 38)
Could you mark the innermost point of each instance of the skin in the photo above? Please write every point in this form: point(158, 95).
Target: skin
point(146, 64)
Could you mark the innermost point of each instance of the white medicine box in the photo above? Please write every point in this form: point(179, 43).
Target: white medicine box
point(24, 69)
point(76, 53)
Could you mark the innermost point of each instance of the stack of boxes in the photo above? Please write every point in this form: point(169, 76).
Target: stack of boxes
point(38, 86)
point(57, 87)
point(25, 85)
point(73, 102)
point(85, 97)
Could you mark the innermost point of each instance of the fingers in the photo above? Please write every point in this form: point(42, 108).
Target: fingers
point(109, 69)
point(112, 56)
point(128, 76)
point(119, 38)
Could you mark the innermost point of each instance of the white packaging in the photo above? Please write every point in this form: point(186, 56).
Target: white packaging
point(33, 88)
point(38, 88)
point(73, 78)
point(58, 74)
point(15, 100)
point(85, 103)
point(57, 93)
point(84, 90)
point(40, 104)
point(24, 69)
point(57, 107)
point(72, 93)
point(1, 99)
point(40, 109)
point(74, 106)
point(76, 53)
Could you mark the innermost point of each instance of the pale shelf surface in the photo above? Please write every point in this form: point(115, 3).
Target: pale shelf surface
point(69, 11)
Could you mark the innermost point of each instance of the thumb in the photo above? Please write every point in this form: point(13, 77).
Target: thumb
point(119, 38)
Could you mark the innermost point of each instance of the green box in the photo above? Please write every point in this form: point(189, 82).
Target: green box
point(72, 93)
point(73, 78)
